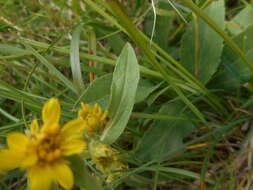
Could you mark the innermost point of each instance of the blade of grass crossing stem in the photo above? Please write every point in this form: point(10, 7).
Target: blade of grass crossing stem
point(123, 89)
point(214, 101)
point(221, 32)
point(120, 14)
point(52, 69)
point(136, 36)
point(177, 67)
point(75, 60)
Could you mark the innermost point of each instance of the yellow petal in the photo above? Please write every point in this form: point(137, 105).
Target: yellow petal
point(34, 127)
point(72, 129)
point(17, 141)
point(63, 175)
point(51, 111)
point(104, 115)
point(10, 159)
point(29, 160)
point(73, 147)
point(40, 178)
point(97, 109)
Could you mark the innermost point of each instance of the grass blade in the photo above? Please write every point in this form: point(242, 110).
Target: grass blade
point(52, 69)
point(75, 60)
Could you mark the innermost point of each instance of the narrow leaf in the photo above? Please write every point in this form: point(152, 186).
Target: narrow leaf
point(180, 172)
point(7, 49)
point(75, 60)
point(52, 68)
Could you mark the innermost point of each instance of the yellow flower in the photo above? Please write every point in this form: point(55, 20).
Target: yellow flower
point(106, 160)
point(93, 116)
point(42, 150)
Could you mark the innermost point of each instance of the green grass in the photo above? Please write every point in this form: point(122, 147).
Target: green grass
point(194, 84)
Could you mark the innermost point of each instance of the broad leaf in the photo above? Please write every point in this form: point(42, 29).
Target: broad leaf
point(123, 90)
point(145, 88)
point(233, 72)
point(241, 21)
point(165, 137)
point(201, 46)
point(98, 91)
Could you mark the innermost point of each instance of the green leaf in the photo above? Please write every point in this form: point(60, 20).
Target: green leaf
point(233, 72)
point(152, 98)
point(7, 49)
point(83, 178)
point(145, 88)
point(138, 181)
point(112, 36)
point(165, 137)
point(12, 93)
point(241, 21)
point(201, 46)
point(75, 60)
point(123, 90)
point(116, 47)
point(179, 171)
point(97, 92)
point(8, 115)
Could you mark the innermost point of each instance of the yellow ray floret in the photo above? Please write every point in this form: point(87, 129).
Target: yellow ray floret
point(93, 116)
point(42, 151)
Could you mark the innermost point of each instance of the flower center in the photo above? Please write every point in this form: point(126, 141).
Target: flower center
point(48, 148)
point(93, 116)
point(106, 161)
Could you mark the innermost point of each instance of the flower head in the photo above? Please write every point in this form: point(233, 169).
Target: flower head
point(106, 160)
point(42, 151)
point(93, 116)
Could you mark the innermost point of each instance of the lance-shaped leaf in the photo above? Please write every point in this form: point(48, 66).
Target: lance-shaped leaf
point(201, 46)
point(123, 90)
